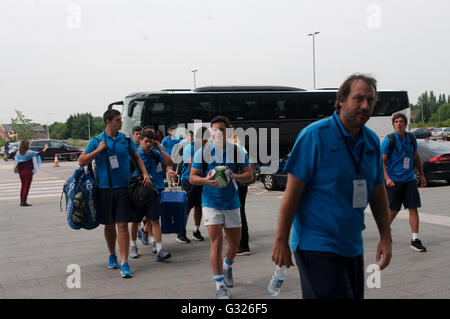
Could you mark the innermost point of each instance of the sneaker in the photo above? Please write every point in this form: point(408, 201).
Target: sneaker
point(154, 249)
point(125, 271)
point(222, 293)
point(113, 264)
point(143, 236)
point(183, 239)
point(198, 236)
point(417, 245)
point(228, 277)
point(243, 251)
point(163, 255)
point(134, 252)
point(25, 205)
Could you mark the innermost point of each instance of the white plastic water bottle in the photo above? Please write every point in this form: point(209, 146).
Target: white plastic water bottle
point(277, 280)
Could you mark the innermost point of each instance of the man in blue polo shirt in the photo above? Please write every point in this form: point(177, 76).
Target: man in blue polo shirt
point(111, 151)
point(221, 206)
point(193, 192)
point(401, 183)
point(151, 154)
point(170, 140)
point(334, 171)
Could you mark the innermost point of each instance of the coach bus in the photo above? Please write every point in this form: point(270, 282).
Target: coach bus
point(289, 109)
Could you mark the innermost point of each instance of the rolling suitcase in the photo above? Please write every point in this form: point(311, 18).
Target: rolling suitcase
point(173, 209)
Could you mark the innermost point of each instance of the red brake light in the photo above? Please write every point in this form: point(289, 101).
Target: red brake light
point(445, 158)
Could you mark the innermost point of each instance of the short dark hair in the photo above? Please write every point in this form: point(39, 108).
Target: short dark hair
point(344, 90)
point(202, 133)
point(137, 129)
point(221, 119)
point(397, 115)
point(147, 127)
point(110, 115)
point(148, 134)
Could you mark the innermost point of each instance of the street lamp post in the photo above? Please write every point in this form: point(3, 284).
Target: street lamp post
point(194, 71)
point(314, 57)
point(48, 129)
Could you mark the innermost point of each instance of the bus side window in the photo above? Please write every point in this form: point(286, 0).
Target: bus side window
point(237, 106)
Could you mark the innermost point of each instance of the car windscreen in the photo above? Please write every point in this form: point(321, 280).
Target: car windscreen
point(437, 147)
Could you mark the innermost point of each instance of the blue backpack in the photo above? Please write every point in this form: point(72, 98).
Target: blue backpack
point(79, 191)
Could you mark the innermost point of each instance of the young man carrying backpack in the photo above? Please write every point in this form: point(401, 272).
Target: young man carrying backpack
point(152, 211)
point(221, 206)
point(112, 157)
point(194, 192)
point(399, 158)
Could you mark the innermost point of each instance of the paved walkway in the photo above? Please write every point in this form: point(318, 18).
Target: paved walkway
point(37, 246)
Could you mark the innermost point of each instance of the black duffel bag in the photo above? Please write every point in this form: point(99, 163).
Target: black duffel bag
point(140, 195)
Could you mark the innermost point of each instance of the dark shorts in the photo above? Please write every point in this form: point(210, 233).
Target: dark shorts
point(327, 275)
point(152, 211)
point(112, 205)
point(193, 193)
point(403, 193)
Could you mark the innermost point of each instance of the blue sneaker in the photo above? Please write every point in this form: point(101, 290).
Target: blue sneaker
point(125, 271)
point(143, 236)
point(113, 264)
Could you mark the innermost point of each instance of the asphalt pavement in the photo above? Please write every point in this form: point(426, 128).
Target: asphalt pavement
point(38, 251)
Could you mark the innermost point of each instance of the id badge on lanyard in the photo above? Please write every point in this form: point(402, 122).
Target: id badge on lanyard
point(406, 162)
point(359, 193)
point(114, 162)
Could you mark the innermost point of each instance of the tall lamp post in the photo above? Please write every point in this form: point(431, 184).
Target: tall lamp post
point(314, 57)
point(194, 71)
point(48, 129)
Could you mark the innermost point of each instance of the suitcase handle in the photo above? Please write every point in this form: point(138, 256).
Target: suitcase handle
point(173, 183)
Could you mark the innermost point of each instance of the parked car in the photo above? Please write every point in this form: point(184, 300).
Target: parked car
point(273, 180)
point(421, 132)
point(435, 160)
point(63, 149)
point(66, 151)
point(13, 147)
point(446, 134)
point(438, 132)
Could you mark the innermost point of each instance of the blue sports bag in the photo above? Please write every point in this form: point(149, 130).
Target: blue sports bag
point(79, 191)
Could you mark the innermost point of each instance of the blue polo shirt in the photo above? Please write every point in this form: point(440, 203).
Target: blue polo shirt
point(404, 147)
point(118, 146)
point(168, 143)
point(221, 198)
point(188, 153)
point(325, 219)
point(151, 165)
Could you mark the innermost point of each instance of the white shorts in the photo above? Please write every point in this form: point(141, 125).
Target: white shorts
point(228, 218)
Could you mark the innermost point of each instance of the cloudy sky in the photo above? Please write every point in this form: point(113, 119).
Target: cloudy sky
point(61, 57)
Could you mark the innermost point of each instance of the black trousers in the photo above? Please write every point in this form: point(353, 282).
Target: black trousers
point(244, 235)
point(327, 275)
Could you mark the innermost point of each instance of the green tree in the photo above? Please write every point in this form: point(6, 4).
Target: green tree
point(58, 131)
point(80, 125)
point(98, 125)
point(23, 127)
point(424, 102)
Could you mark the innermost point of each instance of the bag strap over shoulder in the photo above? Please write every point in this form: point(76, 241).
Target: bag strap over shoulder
point(392, 143)
point(107, 165)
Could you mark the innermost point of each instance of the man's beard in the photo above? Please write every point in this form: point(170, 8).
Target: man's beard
point(353, 121)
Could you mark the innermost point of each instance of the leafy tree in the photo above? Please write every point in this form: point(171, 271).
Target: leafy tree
point(23, 127)
point(78, 125)
point(58, 131)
